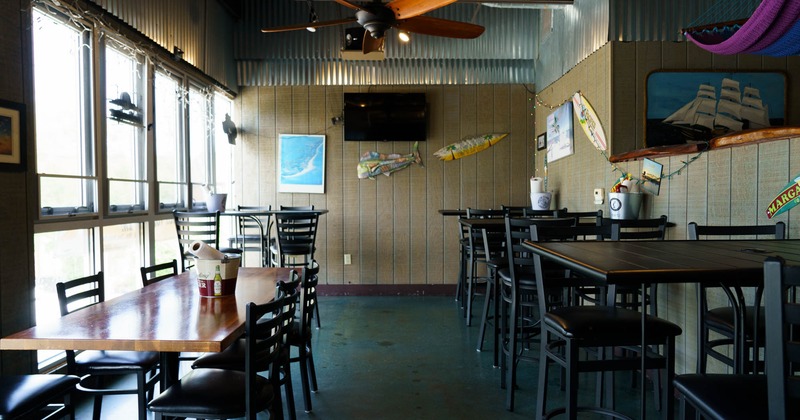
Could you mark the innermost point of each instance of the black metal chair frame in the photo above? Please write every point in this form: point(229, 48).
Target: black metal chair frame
point(150, 273)
point(740, 395)
point(78, 294)
point(732, 321)
point(197, 226)
point(37, 396)
point(253, 233)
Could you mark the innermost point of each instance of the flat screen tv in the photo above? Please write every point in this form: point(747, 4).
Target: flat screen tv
point(385, 117)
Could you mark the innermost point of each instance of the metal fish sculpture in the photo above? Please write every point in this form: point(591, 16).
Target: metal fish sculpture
point(374, 163)
point(468, 146)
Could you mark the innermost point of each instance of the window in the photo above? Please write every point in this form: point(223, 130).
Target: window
point(125, 140)
point(170, 159)
point(107, 183)
point(65, 149)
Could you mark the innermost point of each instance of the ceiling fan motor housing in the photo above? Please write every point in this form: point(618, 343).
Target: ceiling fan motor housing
point(377, 20)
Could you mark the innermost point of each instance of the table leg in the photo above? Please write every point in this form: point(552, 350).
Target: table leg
point(170, 367)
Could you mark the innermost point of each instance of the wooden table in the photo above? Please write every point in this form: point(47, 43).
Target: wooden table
point(711, 263)
point(169, 316)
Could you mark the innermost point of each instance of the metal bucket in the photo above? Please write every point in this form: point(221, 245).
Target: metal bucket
point(540, 201)
point(625, 206)
point(207, 281)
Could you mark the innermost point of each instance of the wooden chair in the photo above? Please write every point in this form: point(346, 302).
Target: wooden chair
point(746, 396)
point(741, 329)
point(95, 366)
point(197, 226)
point(150, 273)
point(568, 329)
point(210, 393)
point(37, 396)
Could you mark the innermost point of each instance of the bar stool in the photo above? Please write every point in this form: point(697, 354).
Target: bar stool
point(598, 329)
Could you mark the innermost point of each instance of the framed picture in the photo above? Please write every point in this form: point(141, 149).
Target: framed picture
point(301, 163)
point(541, 141)
point(691, 107)
point(12, 136)
point(651, 176)
point(559, 133)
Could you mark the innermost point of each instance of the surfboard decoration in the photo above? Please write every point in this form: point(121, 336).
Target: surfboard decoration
point(589, 121)
point(786, 199)
point(468, 146)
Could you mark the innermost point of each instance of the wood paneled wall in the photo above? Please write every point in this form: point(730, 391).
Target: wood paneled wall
point(723, 187)
point(391, 225)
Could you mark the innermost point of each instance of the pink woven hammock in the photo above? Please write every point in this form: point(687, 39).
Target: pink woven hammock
point(773, 29)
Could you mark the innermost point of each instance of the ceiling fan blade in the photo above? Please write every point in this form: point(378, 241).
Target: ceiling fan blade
point(370, 44)
point(406, 9)
point(346, 3)
point(440, 27)
point(309, 24)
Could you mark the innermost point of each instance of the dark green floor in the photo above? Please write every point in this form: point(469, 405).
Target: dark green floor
point(408, 358)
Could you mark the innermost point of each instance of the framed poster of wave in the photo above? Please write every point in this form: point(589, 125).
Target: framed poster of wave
point(693, 107)
point(559, 133)
point(301, 163)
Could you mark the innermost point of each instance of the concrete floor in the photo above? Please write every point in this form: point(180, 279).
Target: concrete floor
point(407, 358)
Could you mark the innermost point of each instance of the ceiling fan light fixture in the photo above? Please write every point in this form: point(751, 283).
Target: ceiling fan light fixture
point(403, 36)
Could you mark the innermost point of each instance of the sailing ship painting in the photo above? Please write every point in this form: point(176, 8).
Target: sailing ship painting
point(691, 107)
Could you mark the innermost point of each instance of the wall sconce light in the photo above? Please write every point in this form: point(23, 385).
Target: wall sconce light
point(337, 120)
point(177, 53)
point(403, 36)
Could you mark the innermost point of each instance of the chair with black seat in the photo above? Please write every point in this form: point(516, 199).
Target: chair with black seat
point(212, 393)
point(746, 396)
point(583, 218)
point(233, 357)
point(37, 396)
point(598, 330)
point(741, 328)
point(253, 233)
point(519, 317)
point(640, 230)
point(197, 226)
point(157, 272)
point(476, 255)
point(495, 250)
point(95, 366)
point(301, 333)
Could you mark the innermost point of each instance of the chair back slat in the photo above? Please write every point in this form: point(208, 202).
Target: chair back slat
point(150, 273)
point(782, 347)
point(776, 231)
point(641, 229)
point(195, 226)
point(79, 293)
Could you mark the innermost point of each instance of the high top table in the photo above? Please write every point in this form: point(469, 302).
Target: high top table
point(169, 316)
point(632, 263)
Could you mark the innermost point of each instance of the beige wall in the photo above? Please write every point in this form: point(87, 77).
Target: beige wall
point(726, 186)
point(390, 225)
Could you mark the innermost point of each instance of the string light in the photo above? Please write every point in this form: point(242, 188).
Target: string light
point(538, 102)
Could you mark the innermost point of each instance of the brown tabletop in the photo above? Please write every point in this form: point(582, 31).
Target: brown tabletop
point(169, 315)
point(707, 262)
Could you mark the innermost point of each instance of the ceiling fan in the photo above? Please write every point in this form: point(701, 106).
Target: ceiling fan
point(406, 15)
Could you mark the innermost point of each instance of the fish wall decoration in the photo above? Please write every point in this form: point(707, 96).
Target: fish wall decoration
point(374, 163)
point(468, 146)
